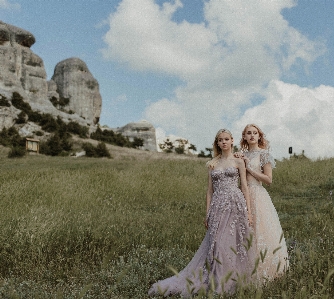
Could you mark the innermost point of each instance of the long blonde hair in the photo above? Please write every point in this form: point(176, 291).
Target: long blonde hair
point(217, 151)
point(262, 143)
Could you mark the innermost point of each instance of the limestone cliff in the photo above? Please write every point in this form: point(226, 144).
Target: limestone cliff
point(23, 71)
point(75, 82)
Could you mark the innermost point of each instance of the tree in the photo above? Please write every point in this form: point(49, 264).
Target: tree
point(137, 142)
point(167, 146)
point(203, 155)
point(192, 147)
point(210, 150)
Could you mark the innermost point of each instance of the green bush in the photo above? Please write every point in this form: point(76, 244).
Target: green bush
point(39, 133)
point(11, 137)
point(202, 154)
point(19, 103)
point(75, 128)
point(179, 150)
point(61, 103)
point(109, 136)
point(89, 149)
point(137, 142)
point(99, 151)
point(56, 146)
point(21, 118)
point(3, 101)
point(16, 152)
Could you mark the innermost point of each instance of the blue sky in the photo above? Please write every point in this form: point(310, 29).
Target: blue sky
point(191, 67)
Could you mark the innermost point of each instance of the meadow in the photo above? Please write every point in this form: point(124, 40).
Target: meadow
point(108, 228)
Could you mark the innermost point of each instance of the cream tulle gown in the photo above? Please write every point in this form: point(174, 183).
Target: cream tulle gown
point(222, 250)
point(268, 235)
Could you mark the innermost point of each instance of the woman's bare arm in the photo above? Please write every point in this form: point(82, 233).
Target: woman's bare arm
point(265, 177)
point(244, 187)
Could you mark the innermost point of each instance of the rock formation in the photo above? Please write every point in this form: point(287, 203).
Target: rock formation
point(23, 71)
point(72, 89)
point(75, 82)
point(142, 129)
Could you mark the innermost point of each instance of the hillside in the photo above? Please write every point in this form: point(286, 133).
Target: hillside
point(107, 228)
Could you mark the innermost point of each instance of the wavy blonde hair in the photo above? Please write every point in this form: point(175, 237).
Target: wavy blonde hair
point(217, 151)
point(262, 143)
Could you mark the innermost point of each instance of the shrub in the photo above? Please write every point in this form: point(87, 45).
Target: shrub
point(179, 149)
point(167, 146)
point(99, 151)
point(203, 155)
point(48, 123)
point(75, 128)
point(16, 152)
point(137, 142)
point(34, 116)
point(19, 103)
point(62, 102)
point(56, 146)
point(39, 133)
point(3, 101)
point(11, 137)
point(89, 149)
point(109, 136)
point(21, 118)
point(54, 101)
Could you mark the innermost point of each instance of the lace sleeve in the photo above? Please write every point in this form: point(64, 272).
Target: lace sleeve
point(266, 158)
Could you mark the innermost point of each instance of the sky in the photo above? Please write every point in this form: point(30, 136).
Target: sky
point(192, 67)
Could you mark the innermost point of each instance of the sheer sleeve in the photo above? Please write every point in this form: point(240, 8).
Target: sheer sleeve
point(265, 158)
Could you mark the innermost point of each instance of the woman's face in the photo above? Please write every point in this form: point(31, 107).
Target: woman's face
point(252, 135)
point(224, 141)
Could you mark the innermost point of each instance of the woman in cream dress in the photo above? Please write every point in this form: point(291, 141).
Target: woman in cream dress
point(268, 239)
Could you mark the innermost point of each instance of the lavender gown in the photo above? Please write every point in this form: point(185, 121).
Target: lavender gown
point(222, 251)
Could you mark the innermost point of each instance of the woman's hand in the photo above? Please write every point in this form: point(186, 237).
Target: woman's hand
point(246, 160)
point(238, 155)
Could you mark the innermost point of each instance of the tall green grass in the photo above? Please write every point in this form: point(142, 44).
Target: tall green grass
point(108, 228)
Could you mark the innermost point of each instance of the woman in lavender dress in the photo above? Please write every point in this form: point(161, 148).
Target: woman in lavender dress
point(225, 256)
point(269, 243)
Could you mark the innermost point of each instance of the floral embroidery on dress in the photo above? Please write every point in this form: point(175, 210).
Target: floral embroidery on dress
point(222, 250)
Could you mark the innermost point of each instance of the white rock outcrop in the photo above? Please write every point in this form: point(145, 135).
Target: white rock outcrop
point(75, 82)
point(142, 129)
point(23, 71)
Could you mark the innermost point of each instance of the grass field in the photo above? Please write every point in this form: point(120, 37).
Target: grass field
point(107, 228)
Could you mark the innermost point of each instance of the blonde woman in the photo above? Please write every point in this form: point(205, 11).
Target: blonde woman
point(225, 256)
point(269, 242)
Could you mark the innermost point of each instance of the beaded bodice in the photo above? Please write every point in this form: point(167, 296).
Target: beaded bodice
point(224, 179)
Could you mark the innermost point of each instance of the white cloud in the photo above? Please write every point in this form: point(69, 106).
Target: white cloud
point(295, 116)
point(240, 48)
point(142, 35)
point(7, 5)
